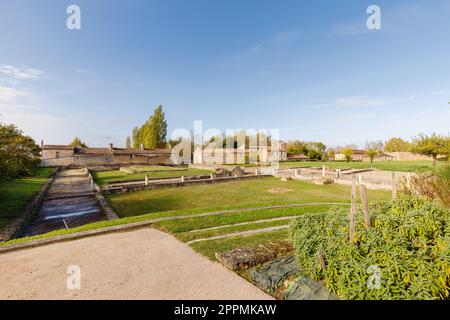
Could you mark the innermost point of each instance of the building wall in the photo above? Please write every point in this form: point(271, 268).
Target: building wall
point(102, 159)
point(408, 156)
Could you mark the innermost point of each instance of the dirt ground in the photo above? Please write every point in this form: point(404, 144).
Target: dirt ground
point(139, 264)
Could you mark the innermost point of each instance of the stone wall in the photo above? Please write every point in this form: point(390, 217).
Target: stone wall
point(408, 156)
point(106, 159)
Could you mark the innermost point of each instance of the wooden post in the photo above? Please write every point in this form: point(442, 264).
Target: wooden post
point(212, 176)
point(323, 171)
point(408, 183)
point(353, 210)
point(338, 173)
point(146, 180)
point(365, 204)
point(92, 183)
point(394, 187)
point(322, 261)
point(182, 178)
point(256, 171)
point(359, 179)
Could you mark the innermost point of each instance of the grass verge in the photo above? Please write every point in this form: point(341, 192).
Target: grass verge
point(243, 193)
point(400, 166)
point(210, 247)
point(15, 194)
point(104, 177)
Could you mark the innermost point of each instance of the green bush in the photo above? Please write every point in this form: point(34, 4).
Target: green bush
point(409, 242)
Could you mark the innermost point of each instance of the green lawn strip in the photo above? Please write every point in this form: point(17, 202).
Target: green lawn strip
point(15, 194)
point(104, 177)
point(105, 224)
point(195, 223)
point(210, 247)
point(245, 193)
point(401, 166)
point(189, 236)
point(156, 168)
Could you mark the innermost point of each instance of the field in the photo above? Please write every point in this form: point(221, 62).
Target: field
point(208, 230)
point(401, 166)
point(15, 194)
point(191, 213)
point(236, 194)
point(153, 172)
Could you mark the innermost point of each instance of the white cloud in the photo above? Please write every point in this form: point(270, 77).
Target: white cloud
point(440, 92)
point(24, 107)
point(11, 95)
point(349, 29)
point(359, 102)
point(21, 73)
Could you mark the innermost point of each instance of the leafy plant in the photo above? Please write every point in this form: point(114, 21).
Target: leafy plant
point(409, 242)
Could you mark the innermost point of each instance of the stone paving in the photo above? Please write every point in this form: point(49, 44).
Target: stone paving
point(70, 201)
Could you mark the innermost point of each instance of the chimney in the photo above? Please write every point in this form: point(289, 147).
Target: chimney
point(111, 147)
point(142, 147)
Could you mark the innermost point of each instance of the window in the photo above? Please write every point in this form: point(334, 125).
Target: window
point(57, 154)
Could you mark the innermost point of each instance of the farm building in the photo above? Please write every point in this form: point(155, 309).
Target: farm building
point(68, 156)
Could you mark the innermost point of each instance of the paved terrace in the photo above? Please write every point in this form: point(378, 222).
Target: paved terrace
point(139, 264)
point(70, 200)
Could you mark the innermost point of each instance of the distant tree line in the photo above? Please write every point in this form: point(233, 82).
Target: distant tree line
point(313, 150)
point(152, 134)
point(19, 154)
point(433, 145)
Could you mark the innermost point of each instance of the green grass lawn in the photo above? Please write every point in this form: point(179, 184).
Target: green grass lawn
point(210, 247)
point(104, 177)
point(401, 166)
point(193, 200)
point(143, 168)
point(236, 194)
point(16, 193)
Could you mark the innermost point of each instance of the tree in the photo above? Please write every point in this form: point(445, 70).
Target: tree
point(19, 154)
point(330, 154)
point(433, 145)
point(316, 150)
point(373, 148)
point(153, 133)
point(348, 153)
point(397, 145)
point(135, 137)
point(297, 147)
point(128, 142)
point(76, 142)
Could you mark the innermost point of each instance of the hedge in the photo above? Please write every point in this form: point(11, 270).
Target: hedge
point(409, 243)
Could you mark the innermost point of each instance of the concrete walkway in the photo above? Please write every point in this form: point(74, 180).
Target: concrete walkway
point(70, 198)
point(140, 264)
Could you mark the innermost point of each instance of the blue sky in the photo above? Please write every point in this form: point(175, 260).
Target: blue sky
point(309, 68)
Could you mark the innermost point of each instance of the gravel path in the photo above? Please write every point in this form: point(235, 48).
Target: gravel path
point(139, 264)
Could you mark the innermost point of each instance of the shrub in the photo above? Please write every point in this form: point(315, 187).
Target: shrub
point(431, 186)
point(19, 154)
point(409, 242)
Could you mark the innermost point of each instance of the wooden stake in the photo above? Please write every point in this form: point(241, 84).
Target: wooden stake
point(394, 187)
point(353, 210)
point(322, 261)
point(365, 204)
